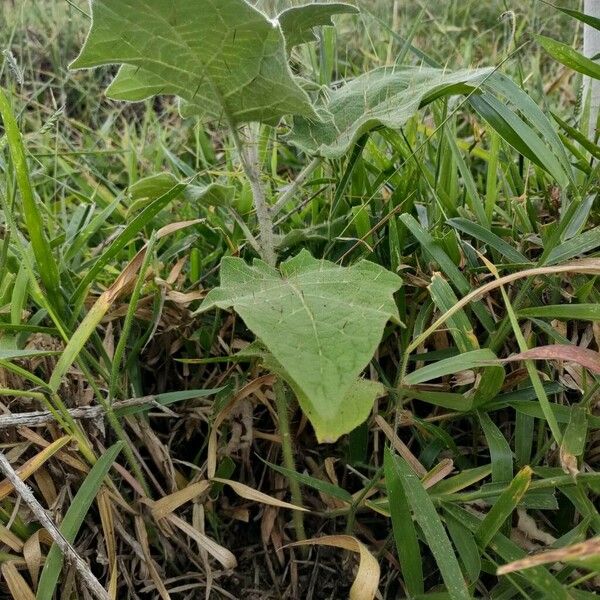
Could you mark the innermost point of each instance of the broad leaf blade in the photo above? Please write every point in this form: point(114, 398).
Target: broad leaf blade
point(387, 97)
point(298, 23)
point(321, 323)
point(225, 59)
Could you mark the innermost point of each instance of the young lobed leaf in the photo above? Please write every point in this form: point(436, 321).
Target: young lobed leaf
point(321, 323)
point(224, 59)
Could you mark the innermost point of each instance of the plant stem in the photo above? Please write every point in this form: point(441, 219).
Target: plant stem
point(289, 463)
point(248, 154)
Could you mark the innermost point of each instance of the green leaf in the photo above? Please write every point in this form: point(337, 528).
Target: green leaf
point(584, 18)
point(321, 323)
point(567, 312)
point(488, 237)
point(32, 214)
point(428, 519)
point(386, 97)
point(561, 413)
point(405, 533)
point(165, 399)
point(433, 249)
point(578, 137)
point(449, 366)
point(503, 507)
point(500, 452)
point(521, 136)
point(74, 518)
point(576, 246)
point(522, 104)
point(464, 542)
point(461, 481)
point(154, 186)
point(449, 400)
point(10, 354)
point(224, 59)
point(325, 487)
point(569, 57)
point(297, 23)
point(459, 326)
point(574, 439)
point(539, 577)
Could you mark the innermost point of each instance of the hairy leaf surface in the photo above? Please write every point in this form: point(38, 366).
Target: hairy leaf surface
point(298, 22)
point(321, 323)
point(224, 58)
point(387, 97)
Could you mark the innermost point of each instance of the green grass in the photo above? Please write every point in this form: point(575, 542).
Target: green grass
point(444, 202)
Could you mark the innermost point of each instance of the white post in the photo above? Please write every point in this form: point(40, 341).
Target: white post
point(591, 48)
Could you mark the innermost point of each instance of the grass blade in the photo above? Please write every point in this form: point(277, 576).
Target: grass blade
point(490, 238)
point(405, 534)
point(74, 518)
point(503, 507)
point(449, 366)
point(426, 516)
point(47, 266)
point(566, 312)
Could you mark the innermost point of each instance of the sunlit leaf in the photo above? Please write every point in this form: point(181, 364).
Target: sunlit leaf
point(321, 323)
point(226, 59)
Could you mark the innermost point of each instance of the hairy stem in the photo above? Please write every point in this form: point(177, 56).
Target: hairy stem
point(248, 154)
point(289, 463)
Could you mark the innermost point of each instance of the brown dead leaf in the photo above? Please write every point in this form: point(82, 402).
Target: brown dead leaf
point(224, 556)
point(105, 508)
point(32, 553)
point(576, 552)
point(168, 504)
point(33, 464)
point(10, 539)
point(590, 359)
point(366, 581)
point(249, 493)
point(174, 227)
point(246, 391)
point(16, 584)
point(401, 447)
point(142, 538)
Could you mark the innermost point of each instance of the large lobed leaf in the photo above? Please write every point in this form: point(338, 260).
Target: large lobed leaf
point(321, 323)
point(387, 97)
point(224, 58)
